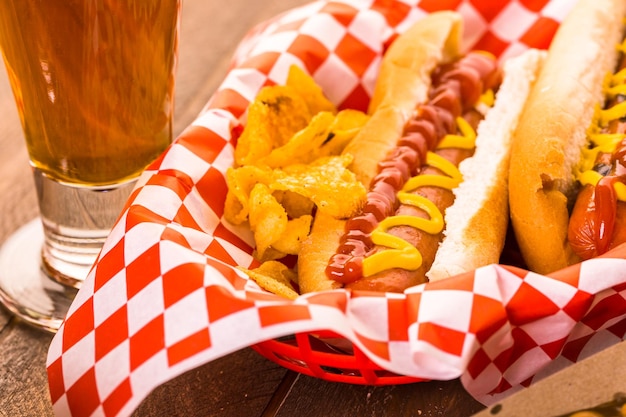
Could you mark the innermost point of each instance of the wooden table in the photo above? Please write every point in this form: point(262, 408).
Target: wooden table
point(243, 383)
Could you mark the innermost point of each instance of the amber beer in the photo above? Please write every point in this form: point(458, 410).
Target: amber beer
point(94, 83)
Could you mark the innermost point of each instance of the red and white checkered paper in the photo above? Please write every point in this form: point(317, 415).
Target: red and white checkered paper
point(165, 295)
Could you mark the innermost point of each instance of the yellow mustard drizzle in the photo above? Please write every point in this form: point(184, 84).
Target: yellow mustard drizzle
point(488, 98)
point(466, 140)
point(402, 254)
point(614, 84)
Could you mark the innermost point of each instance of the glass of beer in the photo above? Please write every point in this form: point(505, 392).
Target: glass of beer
point(93, 81)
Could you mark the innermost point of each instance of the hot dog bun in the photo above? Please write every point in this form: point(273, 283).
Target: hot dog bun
point(403, 83)
point(552, 131)
point(476, 223)
point(480, 218)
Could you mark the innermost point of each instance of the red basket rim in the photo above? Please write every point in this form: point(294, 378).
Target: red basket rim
point(330, 357)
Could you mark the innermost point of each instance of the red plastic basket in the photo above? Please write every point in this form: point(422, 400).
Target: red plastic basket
point(328, 356)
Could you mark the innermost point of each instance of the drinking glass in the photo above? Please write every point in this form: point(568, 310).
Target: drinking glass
point(93, 81)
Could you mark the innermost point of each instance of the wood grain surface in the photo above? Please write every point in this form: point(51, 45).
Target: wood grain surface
point(240, 384)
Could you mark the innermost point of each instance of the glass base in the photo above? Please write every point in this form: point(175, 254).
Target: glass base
point(25, 289)
point(77, 220)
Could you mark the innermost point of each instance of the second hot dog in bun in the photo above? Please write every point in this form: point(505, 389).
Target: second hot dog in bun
point(432, 109)
point(570, 144)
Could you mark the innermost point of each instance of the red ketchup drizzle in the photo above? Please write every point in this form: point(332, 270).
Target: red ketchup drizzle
point(456, 87)
point(605, 202)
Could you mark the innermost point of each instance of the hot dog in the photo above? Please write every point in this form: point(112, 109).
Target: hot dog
point(409, 154)
point(567, 186)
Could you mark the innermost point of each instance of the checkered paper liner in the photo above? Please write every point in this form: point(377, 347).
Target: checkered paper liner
point(165, 296)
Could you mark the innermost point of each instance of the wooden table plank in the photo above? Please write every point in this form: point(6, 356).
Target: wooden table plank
point(310, 396)
point(238, 385)
point(23, 380)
